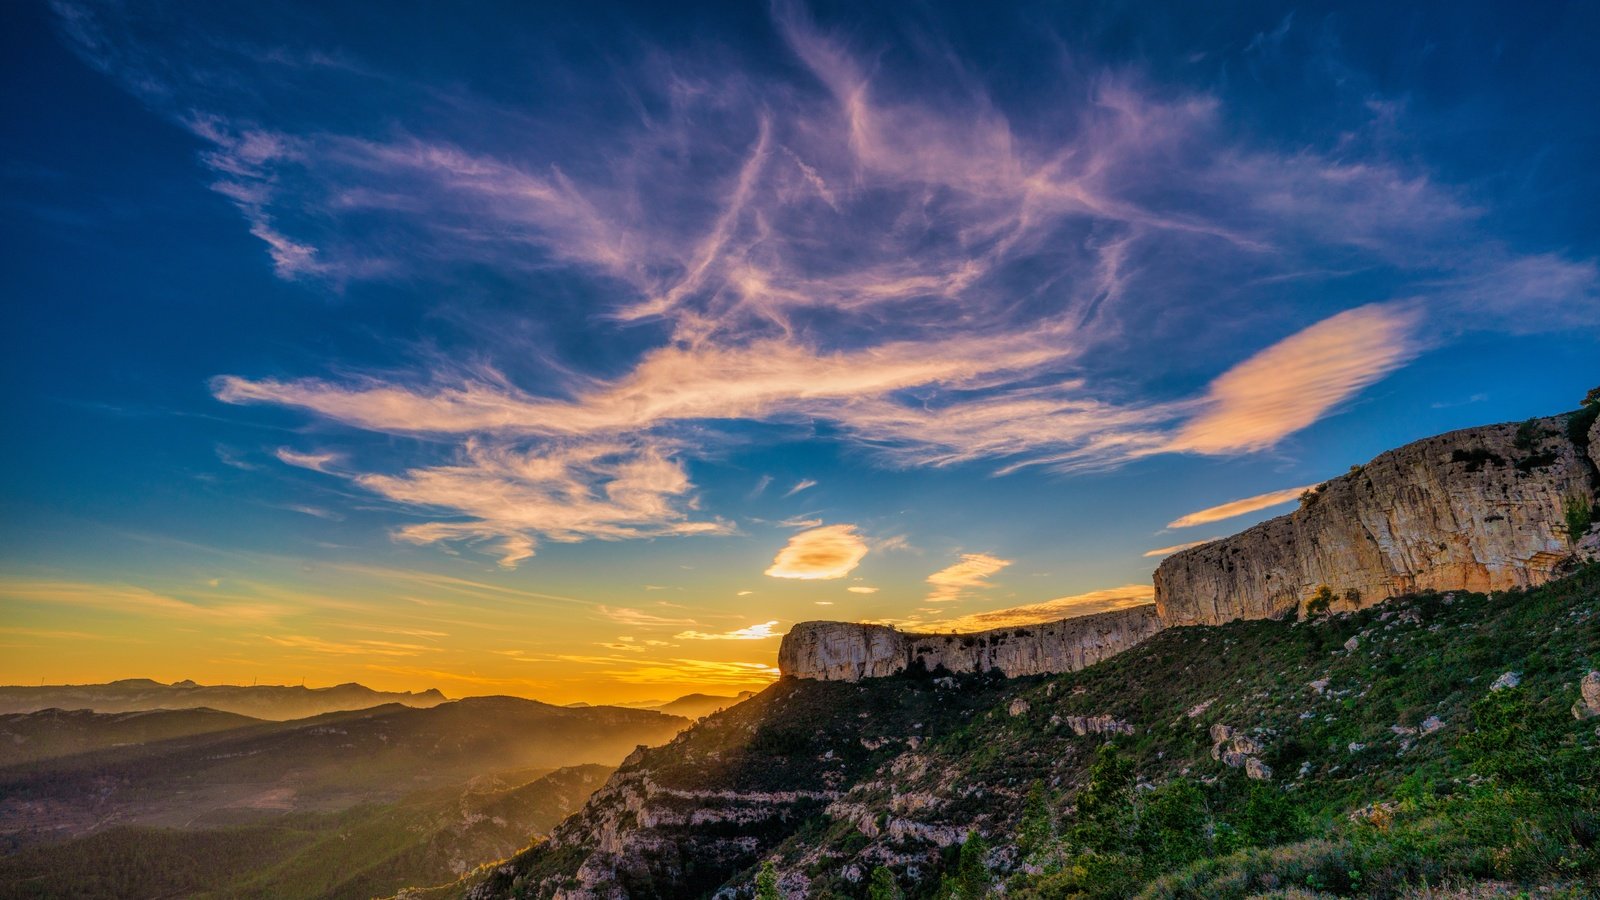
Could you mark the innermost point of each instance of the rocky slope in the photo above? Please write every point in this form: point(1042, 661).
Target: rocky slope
point(1480, 509)
point(843, 651)
point(1266, 751)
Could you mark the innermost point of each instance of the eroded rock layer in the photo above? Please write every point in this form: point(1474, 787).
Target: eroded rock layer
point(1480, 509)
point(845, 651)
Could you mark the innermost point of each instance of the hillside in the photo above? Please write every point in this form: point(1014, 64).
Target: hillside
point(276, 702)
point(425, 838)
point(1356, 753)
point(25, 737)
point(693, 706)
point(324, 763)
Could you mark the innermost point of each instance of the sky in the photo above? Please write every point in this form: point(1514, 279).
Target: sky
point(578, 350)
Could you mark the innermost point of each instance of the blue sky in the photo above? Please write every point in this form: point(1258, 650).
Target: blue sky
point(579, 350)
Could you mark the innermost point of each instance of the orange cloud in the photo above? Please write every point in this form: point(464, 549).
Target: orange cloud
point(1168, 551)
point(753, 633)
point(971, 573)
point(1106, 600)
point(831, 551)
point(1236, 508)
point(1296, 381)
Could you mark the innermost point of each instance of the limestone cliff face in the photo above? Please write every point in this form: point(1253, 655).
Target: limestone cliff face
point(843, 651)
point(1480, 509)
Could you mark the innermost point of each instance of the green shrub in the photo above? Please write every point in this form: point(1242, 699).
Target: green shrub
point(882, 885)
point(1579, 515)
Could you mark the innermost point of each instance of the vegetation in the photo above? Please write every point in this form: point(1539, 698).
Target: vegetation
point(767, 883)
point(1579, 517)
point(1579, 423)
point(1394, 765)
point(1320, 601)
point(372, 850)
point(883, 885)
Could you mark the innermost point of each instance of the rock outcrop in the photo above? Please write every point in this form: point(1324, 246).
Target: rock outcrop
point(845, 651)
point(1481, 509)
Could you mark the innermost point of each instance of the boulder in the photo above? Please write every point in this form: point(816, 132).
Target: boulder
point(1588, 705)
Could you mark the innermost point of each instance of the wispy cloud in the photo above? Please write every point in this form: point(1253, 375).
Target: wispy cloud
point(1238, 507)
point(752, 633)
point(320, 462)
point(626, 616)
point(133, 600)
point(970, 574)
point(861, 589)
point(345, 648)
point(799, 486)
point(1296, 381)
point(1168, 551)
point(562, 493)
point(832, 551)
point(847, 241)
point(1107, 600)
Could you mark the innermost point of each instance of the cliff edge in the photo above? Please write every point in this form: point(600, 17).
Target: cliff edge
point(847, 651)
point(1481, 509)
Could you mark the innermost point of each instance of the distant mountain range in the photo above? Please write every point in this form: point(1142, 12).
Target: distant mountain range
point(259, 769)
point(690, 706)
point(276, 702)
point(370, 850)
point(345, 804)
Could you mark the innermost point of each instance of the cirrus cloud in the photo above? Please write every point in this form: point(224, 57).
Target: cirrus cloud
point(865, 240)
point(757, 632)
point(1236, 508)
point(1106, 600)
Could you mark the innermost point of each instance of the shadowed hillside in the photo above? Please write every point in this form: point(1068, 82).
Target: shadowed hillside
point(369, 850)
point(25, 737)
point(324, 763)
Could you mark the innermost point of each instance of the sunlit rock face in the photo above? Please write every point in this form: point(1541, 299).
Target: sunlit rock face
point(1480, 509)
point(844, 651)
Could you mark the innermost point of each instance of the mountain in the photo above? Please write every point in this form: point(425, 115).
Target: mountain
point(25, 737)
point(1318, 706)
point(323, 763)
point(276, 702)
point(693, 706)
point(426, 838)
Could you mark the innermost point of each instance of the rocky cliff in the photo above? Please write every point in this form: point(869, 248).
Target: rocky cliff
point(1480, 509)
point(843, 651)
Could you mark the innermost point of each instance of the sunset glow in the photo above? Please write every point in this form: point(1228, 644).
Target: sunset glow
point(578, 353)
